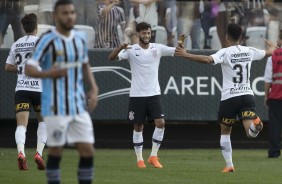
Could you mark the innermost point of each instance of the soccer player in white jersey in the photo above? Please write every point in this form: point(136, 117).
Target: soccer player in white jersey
point(63, 56)
point(237, 98)
point(28, 91)
point(145, 102)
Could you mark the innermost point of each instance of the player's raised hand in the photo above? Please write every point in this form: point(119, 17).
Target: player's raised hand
point(270, 44)
point(181, 40)
point(179, 51)
point(125, 46)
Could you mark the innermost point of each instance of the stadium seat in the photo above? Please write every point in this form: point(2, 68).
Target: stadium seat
point(214, 39)
point(8, 38)
point(161, 35)
point(90, 34)
point(255, 37)
point(42, 28)
point(31, 9)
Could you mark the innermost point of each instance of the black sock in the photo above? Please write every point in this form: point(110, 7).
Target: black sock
point(52, 170)
point(85, 170)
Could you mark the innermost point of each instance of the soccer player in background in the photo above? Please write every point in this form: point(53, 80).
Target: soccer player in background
point(28, 91)
point(63, 56)
point(237, 98)
point(145, 94)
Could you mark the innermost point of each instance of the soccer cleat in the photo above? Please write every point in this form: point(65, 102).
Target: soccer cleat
point(258, 124)
point(141, 164)
point(228, 169)
point(39, 161)
point(22, 162)
point(153, 160)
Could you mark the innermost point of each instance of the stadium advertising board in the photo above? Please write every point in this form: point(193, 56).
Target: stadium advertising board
point(190, 91)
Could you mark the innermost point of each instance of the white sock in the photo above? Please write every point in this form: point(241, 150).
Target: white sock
point(226, 149)
point(20, 138)
point(138, 144)
point(41, 137)
point(253, 132)
point(158, 136)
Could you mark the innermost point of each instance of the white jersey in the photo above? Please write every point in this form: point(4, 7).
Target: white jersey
point(236, 65)
point(20, 52)
point(144, 65)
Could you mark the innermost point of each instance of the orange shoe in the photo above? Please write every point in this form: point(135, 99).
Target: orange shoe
point(22, 162)
point(258, 124)
point(228, 169)
point(141, 164)
point(39, 161)
point(154, 160)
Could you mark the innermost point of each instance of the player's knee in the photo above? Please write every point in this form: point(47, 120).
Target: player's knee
point(160, 123)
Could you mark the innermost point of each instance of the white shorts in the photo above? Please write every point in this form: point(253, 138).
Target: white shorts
point(69, 129)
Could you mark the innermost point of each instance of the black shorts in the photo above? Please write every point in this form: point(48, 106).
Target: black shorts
point(25, 99)
point(142, 108)
point(241, 106)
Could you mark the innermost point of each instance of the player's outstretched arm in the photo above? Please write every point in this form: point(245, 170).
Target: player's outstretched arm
point(198, 58)
point(11, 68)
point(114, 54)
point(270, 47)
point(54, 72)
point(92, 95)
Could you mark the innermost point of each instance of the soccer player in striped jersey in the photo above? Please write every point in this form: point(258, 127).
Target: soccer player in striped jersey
point(63, 56)
point(237, 97)
point(28, 91)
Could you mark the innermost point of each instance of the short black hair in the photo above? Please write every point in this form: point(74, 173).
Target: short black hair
point(234, 31)
point(143, 26)
point(29, 22)
point(62, 2)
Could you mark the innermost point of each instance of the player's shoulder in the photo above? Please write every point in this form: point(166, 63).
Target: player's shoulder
point(46, 37)
point(79, 34)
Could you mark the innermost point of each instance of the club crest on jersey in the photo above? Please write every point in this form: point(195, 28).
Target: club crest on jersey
point(59, 52)
point(131, 115)
point(154, 53)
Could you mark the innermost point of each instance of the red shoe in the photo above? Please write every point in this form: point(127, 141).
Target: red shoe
point(258, 124)
point(228, 169)
point(141, 164)
point(39, 161)
point(153, 160)
point(22, 162)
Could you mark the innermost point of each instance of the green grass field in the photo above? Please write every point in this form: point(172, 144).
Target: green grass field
point(201, 166)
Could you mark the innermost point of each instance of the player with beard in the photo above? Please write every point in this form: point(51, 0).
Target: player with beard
point(63, 56)
point(145, 94)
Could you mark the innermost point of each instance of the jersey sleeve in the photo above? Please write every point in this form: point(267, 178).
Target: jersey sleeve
point(166, 51)
point(11, 57)
point(268, 71)
point(123, 54)
point(257, 54)
point(218, 57)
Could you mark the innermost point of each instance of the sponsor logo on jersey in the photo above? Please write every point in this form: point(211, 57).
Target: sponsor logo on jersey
point(31, 44)
point(30, 83)
point(239, 55)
